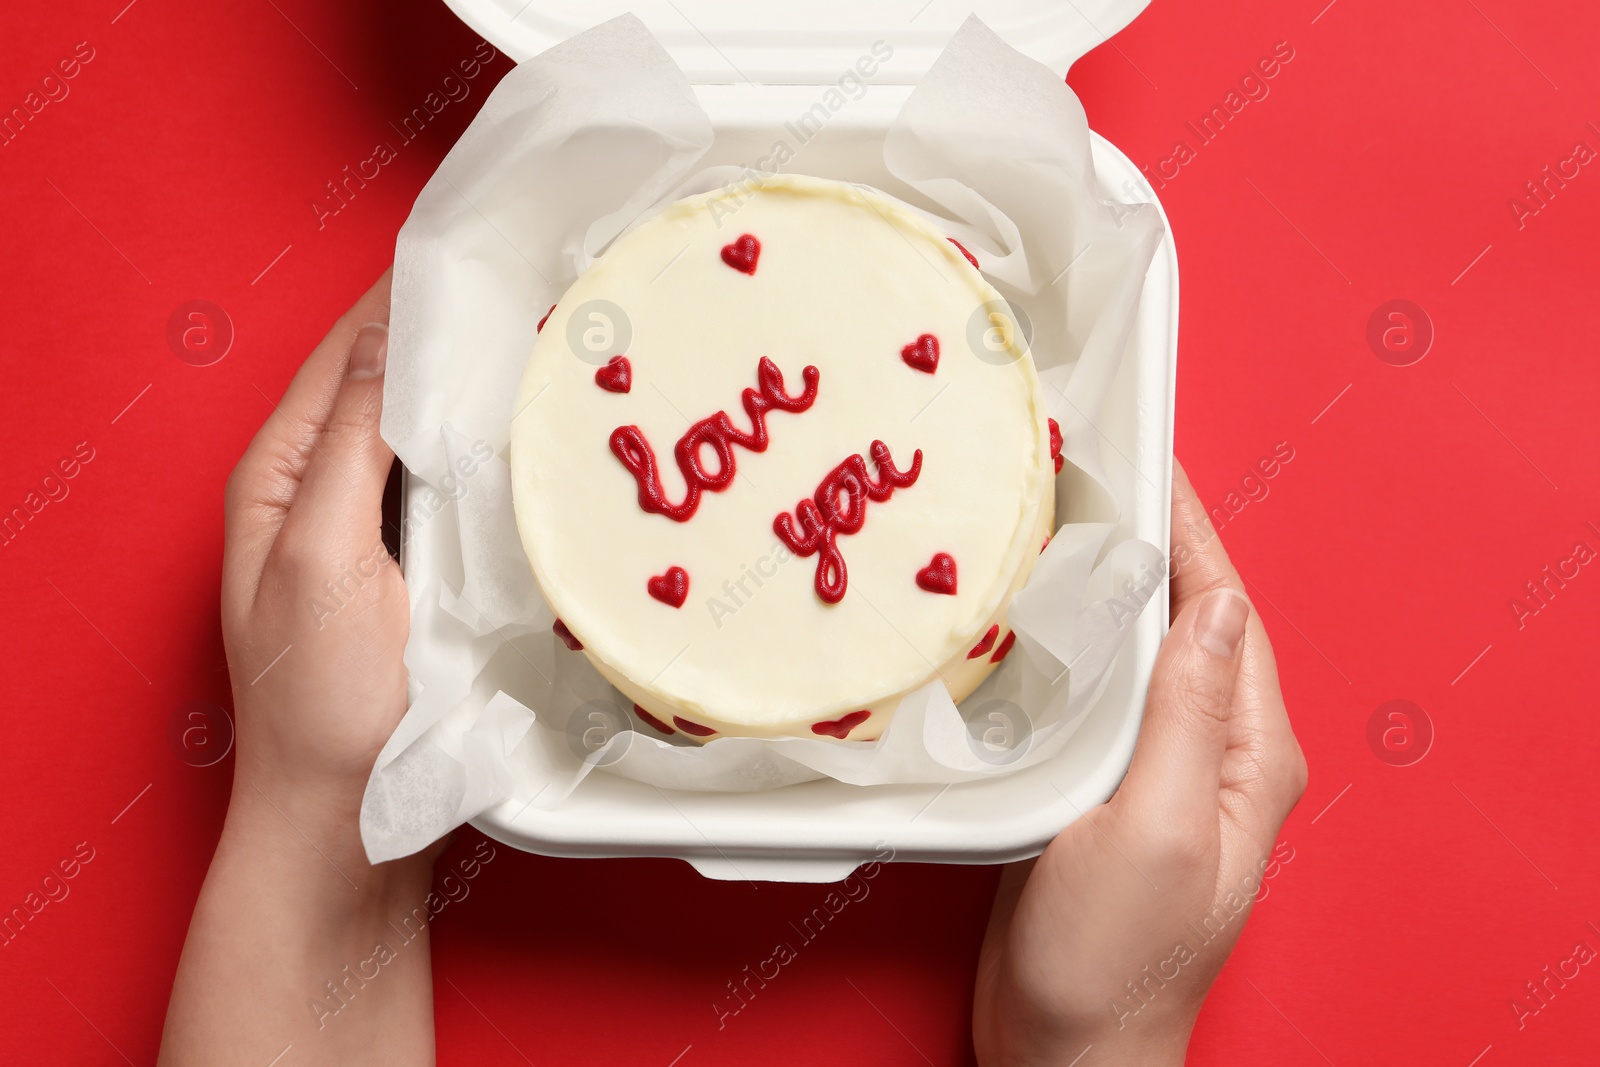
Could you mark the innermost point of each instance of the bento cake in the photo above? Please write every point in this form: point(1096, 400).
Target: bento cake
point(778, 461)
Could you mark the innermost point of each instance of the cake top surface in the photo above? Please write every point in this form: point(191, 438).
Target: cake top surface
point(771, 459)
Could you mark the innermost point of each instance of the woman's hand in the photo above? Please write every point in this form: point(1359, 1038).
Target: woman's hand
point(297, 942)
point(314, 612)
point(1112, 938)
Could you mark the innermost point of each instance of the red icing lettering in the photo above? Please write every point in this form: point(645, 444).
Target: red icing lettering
point(1055, 444)
point(616, 376)
point(567, 639)
point(970, 258)
point(540, 328)
point(940, 575)
point(742, 254)
point(840, 507)
point(986, 644)
point(840, 727)
point(692, 727)
point(671, 588)
point(651, 720)
point(1005, 646)
point(922, 354)
point(717, 432)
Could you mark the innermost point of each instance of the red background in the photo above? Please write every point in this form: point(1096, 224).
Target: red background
point(1384, 558)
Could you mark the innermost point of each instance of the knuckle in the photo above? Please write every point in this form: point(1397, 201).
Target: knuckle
point(1201, 691)
point(1254, 772)
point(1281, 774)
point(1298, 775)
point(1276, 771)
point(296, 554)
point(1183, 846)
point(1189, 854)
point(265, 477)
point(233, 490)
point(354, 421)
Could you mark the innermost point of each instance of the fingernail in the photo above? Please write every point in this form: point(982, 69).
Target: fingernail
point(370, 352)
point(1220, 627)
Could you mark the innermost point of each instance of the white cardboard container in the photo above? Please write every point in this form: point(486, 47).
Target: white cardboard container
point(752, 79)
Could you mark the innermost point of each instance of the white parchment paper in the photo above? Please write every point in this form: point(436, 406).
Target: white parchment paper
point(570, 149)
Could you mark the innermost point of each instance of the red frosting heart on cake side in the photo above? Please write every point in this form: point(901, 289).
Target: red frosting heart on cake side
point(986, 644)
point(616, 376)
point(692, 727)
point(1056, 441)
point(940, 575)
point(1005, 647)
point(671, 588)
point(743, 253)
point(922, 354)
point(652, 721)
point(840, 727)
point(566, 636)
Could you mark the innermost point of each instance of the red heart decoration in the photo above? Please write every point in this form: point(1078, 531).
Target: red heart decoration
point(566, 636)
point(841, 727)
point(652, 721)
point(986, 644)
point(1005, 647)
point(742, 254)
point(692, 727)
point(616, 376)
point(1055, 444)
point(671, 588)
point(540, 328)
point(940, 575)
point(922, 354)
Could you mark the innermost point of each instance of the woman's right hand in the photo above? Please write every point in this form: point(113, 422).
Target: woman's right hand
point(1113, 936)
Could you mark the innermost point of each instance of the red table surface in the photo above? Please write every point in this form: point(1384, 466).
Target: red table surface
point(1382, 163)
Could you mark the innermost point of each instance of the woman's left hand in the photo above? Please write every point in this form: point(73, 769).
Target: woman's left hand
point(314, 618)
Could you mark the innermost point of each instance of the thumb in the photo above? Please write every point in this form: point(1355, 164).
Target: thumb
point(1177, 764)
point(341, 499)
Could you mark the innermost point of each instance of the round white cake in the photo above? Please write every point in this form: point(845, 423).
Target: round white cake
point(778, 460)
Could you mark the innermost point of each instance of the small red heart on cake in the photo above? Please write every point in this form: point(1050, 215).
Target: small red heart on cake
point(616, 376)
point(692, 727)
point(742, 254)
point(986, 643)
point(840, 727)
point(566, 636)
point(1005, 647)
point(652, 721)
point(671, 588)
point(1056, 442)
point(540, 328)
point(922, 354)
point(940, 575)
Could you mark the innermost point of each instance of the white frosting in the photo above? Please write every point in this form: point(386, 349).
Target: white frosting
point(845, 279)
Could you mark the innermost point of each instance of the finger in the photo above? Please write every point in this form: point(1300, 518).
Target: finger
point(1265, 767)
point(1273, 771)
point(268, 477)
point(1199, 562)
point(339, 507)
point(1177, 763)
